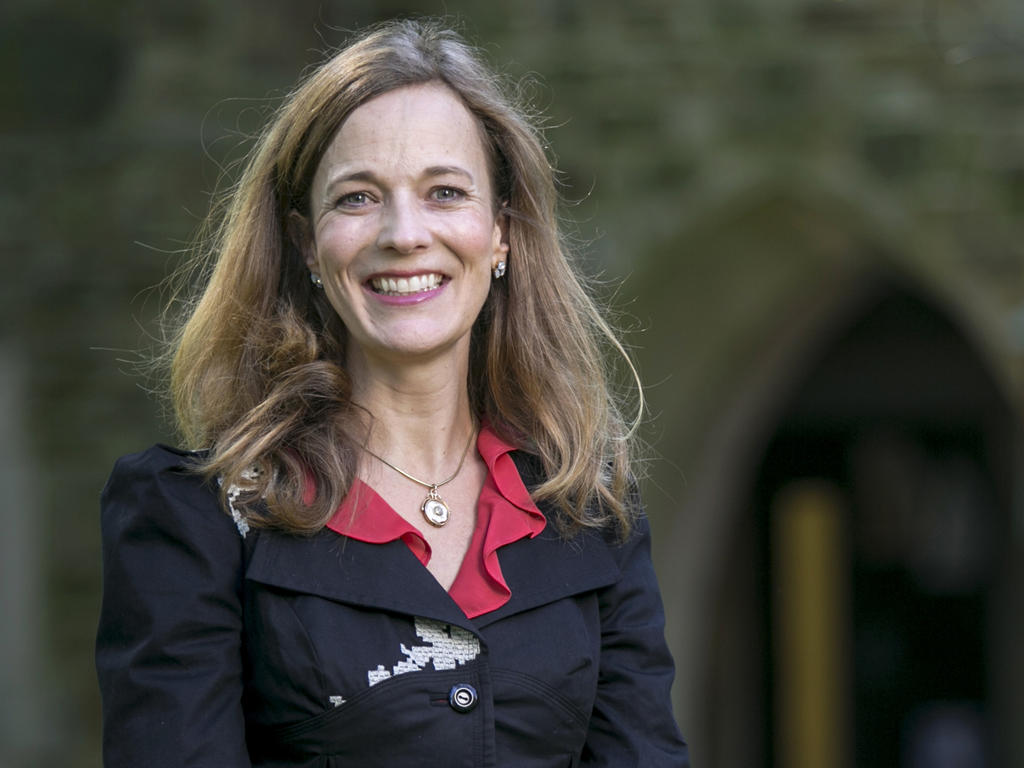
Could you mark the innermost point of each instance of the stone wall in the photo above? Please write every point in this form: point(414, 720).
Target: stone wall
point(725, 158)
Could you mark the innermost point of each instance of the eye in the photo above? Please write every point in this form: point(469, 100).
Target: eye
point(353, 200)
point(446, 194)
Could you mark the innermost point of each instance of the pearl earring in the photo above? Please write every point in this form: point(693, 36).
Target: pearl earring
point(499, 270)
point(315, 279)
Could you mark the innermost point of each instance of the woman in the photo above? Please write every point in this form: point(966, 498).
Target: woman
point(412, 538)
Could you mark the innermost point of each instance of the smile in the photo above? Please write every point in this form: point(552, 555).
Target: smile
point(403, 286)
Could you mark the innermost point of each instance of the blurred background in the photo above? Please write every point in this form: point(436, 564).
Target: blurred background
point(807, 212)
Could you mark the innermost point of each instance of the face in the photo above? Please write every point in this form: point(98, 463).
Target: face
point(403, 228)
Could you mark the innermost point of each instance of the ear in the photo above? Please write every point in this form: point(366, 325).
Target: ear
point(500, 237)
point(300, 233)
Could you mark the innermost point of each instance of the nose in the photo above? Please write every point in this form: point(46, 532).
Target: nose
point(403, 225)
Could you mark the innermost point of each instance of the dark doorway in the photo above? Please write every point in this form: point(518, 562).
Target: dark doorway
point(882, 508)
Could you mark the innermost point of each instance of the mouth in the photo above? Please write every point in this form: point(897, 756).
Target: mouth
point(405, 286)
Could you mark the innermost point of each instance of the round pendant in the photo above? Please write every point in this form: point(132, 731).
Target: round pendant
point(435, 510)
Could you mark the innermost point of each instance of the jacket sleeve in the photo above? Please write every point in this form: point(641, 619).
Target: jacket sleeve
point(168, 648)
point(632, 724)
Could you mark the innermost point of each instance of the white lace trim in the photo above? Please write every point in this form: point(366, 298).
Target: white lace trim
point(446, 648)
point(234, 491)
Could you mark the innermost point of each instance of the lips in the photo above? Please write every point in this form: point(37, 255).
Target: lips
point(405, 286)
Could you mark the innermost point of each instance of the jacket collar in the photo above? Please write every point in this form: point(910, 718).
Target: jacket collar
point(389, 577)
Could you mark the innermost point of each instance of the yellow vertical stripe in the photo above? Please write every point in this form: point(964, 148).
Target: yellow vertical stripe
point(811, 575)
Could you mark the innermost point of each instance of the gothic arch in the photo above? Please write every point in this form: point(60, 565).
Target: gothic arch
point(855, 275)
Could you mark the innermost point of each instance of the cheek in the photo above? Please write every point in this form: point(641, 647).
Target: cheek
point(337, 246)
point(480, 241)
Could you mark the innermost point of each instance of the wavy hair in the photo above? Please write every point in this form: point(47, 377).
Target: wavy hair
point(256, 363)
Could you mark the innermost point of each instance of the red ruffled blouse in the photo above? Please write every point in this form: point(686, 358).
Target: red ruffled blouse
point(505, 513)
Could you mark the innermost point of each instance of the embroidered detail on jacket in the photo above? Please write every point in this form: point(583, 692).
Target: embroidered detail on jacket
point(336, 700)
point(446, 648)
point(234, 491)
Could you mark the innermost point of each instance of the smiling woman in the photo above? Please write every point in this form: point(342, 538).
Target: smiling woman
point(337, 577)
point(403, 228)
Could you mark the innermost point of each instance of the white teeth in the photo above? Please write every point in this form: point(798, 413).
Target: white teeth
point(406, 285)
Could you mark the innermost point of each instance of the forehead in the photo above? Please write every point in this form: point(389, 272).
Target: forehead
point(407, 129)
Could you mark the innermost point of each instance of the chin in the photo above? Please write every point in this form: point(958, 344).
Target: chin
point(419, 348)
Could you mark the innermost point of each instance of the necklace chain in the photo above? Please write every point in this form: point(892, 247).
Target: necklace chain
point(433, 507)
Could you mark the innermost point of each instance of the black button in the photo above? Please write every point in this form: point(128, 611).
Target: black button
point(462, 697)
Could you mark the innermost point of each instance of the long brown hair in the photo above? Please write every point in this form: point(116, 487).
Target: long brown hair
point(257, 372)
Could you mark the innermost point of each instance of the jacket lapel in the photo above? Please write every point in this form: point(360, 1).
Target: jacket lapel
point(548, 568)
point(383, 576)
point(389, 577)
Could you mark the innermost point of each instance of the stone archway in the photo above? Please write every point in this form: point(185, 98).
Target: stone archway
point(744, 302)
point(895, 447)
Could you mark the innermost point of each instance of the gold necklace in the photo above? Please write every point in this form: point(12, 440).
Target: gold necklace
point(433, 507)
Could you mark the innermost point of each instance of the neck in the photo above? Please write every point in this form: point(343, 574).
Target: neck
point(419, 414)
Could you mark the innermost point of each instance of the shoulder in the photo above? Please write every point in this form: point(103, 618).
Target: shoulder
point(167, 472)
point(161, 488)
point(154, 461)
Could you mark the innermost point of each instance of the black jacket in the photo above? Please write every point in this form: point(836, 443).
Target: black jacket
point(268, 649)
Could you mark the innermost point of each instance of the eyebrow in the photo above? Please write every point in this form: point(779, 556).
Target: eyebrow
point(430, 172)
point(354, 176)
point(444, 170)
